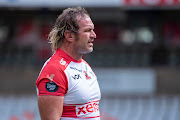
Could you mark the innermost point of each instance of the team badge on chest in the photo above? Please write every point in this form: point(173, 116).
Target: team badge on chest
point(86, 74)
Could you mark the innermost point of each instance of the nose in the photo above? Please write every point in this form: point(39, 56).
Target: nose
point(93, 34)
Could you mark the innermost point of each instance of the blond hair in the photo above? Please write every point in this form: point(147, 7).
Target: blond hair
point(68, 20)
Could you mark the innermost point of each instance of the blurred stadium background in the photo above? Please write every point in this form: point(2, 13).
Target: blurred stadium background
point(136, 56)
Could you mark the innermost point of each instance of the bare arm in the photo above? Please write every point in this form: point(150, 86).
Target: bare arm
point(50, 107)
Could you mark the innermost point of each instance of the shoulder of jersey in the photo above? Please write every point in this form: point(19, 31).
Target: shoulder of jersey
point(60, 62)
point(85, 62)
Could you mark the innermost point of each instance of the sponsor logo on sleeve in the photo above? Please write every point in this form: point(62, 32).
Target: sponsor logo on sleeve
point(50, 77)
point(51, 86)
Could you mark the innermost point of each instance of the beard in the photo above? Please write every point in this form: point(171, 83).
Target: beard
point(82, 48)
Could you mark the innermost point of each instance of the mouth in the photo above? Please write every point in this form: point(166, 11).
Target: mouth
point(90, 43)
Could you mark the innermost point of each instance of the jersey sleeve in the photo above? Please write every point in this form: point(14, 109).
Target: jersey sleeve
point(52, 81)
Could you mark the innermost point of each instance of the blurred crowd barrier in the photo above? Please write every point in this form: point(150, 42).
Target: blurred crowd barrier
point(161, 80)
point(127, 93)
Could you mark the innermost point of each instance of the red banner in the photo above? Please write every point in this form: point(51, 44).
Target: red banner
point(153, 2)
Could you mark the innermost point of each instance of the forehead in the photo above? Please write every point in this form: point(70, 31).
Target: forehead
point(85, 22)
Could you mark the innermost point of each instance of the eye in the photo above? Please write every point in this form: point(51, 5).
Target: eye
point(88, 30)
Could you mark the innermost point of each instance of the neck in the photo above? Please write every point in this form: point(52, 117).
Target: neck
point(71, 52)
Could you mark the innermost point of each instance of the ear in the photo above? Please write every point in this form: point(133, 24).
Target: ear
point(69, 36)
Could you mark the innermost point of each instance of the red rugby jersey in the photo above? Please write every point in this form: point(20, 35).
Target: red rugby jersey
point(62, 75)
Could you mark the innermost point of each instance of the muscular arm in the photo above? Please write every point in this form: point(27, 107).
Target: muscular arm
point(50, 107)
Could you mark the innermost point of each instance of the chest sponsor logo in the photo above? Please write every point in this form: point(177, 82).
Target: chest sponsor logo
point(88, 108)
point(76, 69)
point(77, 76)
